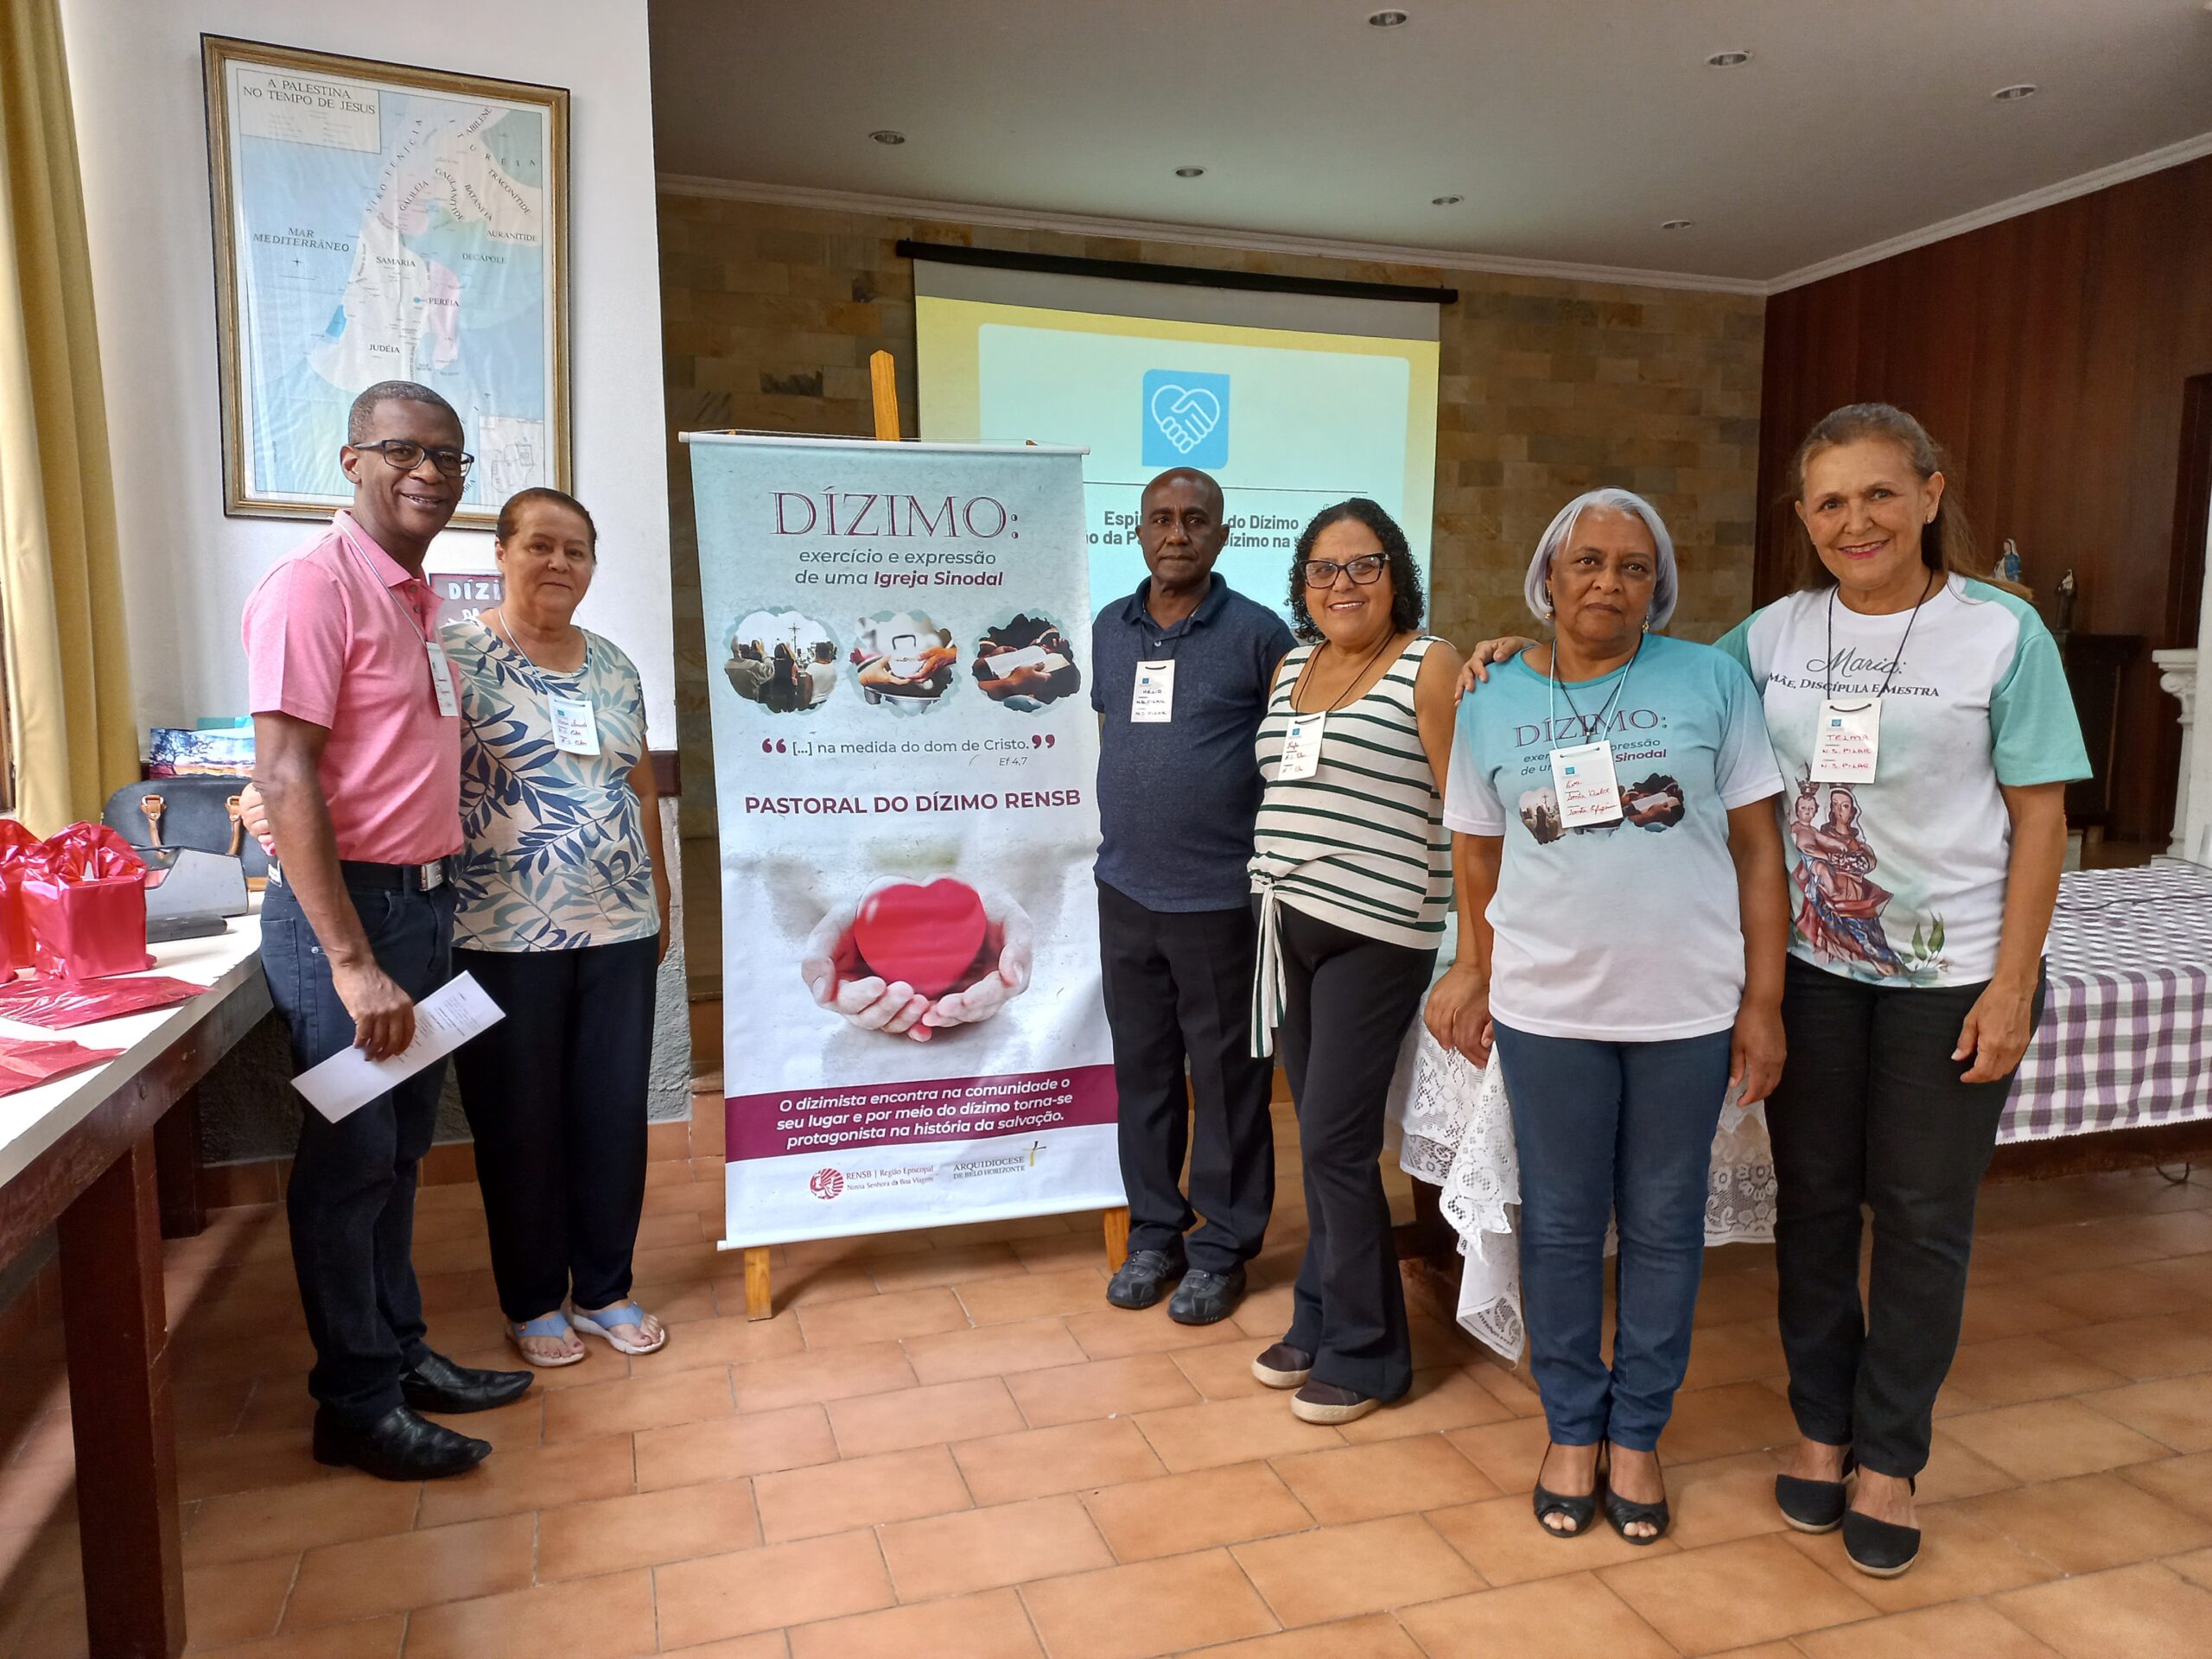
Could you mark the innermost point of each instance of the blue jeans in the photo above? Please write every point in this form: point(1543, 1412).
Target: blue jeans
point(352, 1196)
point(1612, 1129)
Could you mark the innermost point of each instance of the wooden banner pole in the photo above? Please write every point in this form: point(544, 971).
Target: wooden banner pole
point(760, 1292)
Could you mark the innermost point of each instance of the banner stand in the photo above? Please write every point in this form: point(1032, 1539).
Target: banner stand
point(759, 1282)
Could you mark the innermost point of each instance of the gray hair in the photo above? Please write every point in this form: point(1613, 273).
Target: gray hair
point(1664, 588)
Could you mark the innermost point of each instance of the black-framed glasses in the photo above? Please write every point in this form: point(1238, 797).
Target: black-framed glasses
point(404, 454)
point(1366, 569)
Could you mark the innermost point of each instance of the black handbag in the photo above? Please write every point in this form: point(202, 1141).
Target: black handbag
point(197, 812)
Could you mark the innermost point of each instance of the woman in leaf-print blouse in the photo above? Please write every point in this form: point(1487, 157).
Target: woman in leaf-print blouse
point(563, 918)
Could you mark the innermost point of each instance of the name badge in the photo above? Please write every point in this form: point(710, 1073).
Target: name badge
point(1583, 778)
point(1301, 746)
point(1153, 701)
point(575, 727)
point(1846, 742)
point(441, 679)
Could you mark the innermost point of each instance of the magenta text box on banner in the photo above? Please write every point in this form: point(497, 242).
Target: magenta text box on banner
point(866, 1115)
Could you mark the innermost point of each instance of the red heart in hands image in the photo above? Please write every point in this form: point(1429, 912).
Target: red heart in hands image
point(926, 935)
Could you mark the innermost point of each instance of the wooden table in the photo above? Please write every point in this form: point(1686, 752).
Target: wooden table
point(78, 1155)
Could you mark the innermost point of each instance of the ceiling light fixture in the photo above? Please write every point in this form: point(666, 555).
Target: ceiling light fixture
point(1445, 201)
point(1190, 172)
point(885, 136)
point(1678, 225)
point(1727, 60)
point(2014, 94)
point(1385, 19)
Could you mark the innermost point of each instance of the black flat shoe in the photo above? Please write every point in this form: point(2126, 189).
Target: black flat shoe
point(1206, 1298)
point(1880, 1549)
point(437, 1384)
point(1142, 1278)
point(1328, 1403)
point(1813, 1505)
point(398, 1445)
point(1622, 1513)
point(1283, 1366)
point(1581, 1510)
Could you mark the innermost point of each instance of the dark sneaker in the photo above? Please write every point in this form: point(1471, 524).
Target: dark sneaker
point(1325, 1403)
point(1206, 1298)
point(1283, 1366)
point(1143, 1278)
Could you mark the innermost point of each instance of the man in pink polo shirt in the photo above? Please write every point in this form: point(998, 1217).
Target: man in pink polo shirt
point(357, 741)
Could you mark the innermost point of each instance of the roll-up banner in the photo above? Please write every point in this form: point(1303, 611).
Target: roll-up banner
point(905, 751)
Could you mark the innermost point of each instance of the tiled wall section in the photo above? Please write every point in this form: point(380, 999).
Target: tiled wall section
point(1548, 387)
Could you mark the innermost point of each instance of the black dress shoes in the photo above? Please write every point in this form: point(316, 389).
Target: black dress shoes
point(398, 1445)
point(438, 1384)
point(1142, 1278)
point(1206, 1298)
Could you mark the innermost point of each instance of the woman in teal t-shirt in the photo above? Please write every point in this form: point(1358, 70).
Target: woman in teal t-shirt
point(1622, 925)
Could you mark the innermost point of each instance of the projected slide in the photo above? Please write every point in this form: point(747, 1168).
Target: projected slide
point(1288, 420)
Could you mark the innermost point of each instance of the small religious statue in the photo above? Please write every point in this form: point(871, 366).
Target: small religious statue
point(2066, 602)
point(2009, 566)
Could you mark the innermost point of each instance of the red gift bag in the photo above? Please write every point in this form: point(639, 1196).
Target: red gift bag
point(85, 899)
point(19, 851)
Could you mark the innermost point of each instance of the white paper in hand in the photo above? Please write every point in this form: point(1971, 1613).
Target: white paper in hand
point(445, 1020)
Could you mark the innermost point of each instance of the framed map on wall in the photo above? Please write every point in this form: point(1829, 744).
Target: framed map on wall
point(378, 222)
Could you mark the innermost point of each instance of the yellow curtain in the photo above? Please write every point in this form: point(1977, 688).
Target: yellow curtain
point(68, 677)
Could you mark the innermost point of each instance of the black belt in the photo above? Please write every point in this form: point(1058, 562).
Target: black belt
point(400, 878)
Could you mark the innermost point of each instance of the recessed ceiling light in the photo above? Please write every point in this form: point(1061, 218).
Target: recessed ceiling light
point(2014, 94)
point(1385, 19)
point(885, 136)
point(1678, 225)
point(1190, 172)
point(1728, 60)
point(1445, 201)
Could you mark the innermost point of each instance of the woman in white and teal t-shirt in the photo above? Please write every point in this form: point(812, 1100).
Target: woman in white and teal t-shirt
point(1926, 736)
point(1924, 726)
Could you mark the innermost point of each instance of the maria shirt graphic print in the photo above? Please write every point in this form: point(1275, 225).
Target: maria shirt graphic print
point(1899, 880)
point(555, 856)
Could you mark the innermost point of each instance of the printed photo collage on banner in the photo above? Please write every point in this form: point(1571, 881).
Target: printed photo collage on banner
point(914, 1030)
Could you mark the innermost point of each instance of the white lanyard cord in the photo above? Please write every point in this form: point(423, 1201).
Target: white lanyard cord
point(1554, 685)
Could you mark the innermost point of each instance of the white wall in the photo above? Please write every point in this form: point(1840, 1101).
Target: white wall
point(134, 71)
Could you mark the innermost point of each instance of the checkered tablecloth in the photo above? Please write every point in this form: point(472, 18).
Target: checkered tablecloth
point(2126, 1041)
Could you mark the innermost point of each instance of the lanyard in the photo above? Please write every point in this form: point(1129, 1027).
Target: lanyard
point(1343, 696)
point(1829, 683)
point(531, 670)
point(1554, 683)
point(415, 622)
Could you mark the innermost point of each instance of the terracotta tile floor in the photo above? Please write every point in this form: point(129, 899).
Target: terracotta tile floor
point(946, 1443)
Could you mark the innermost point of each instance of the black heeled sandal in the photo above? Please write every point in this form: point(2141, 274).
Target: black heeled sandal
point(1816, 1505)
point(1622, 1513)
point(1880, 1549)
point(1581, 1510)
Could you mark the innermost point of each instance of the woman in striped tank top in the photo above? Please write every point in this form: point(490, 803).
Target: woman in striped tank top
point(1352, 868)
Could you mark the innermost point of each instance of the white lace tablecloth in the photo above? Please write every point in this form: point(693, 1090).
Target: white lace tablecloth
point(1456, 1134)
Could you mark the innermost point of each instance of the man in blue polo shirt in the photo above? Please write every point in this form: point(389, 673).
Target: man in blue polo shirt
point(1181, 674)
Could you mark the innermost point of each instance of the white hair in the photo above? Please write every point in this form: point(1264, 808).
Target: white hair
point(1664, 587)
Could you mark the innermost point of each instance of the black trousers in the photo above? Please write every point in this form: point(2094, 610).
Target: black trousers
point(1178, 988)
point(555, 1096)
point(350, 1201)
point(1870, 1111)
point(1349, 1000)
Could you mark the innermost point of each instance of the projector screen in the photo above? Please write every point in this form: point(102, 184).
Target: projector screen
point(1292, 401)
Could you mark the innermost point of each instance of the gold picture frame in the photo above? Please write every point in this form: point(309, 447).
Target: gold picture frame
point(371, 202)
